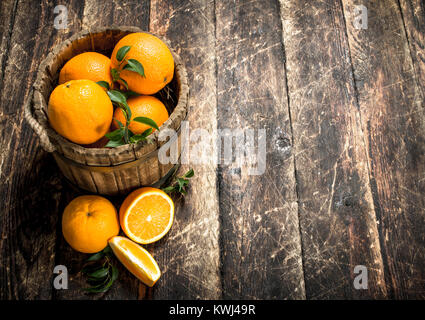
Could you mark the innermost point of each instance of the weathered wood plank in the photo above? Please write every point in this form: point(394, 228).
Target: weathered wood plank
point(7, 14)
point(31, 188)
point(413, 14)
point(260, 239)
point(337, 216)
point(100, 13)
point(392, 114)
point(189, 255)
point(120, 13)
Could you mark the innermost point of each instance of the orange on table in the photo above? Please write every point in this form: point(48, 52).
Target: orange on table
point(142, 106)
point(88, 65)
point(80, 110)
point(155, 57)
point(136, 259)
point(88, 223)
point(146, 215)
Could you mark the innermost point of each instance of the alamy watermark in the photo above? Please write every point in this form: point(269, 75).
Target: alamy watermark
point(361, 280)
point(61, 280)
point(236, 148)
point(61, 20)
point(360, 19)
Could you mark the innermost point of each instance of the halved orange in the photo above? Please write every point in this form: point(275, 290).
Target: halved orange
point(146, 215)
point(136, 259)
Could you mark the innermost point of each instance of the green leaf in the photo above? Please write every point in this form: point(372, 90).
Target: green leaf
point(108, 253)
point(127, 112)
point(182, 182)
point(103, 84)
point(147, 121)
point(117, 97)
point(129, 94)
point(101, 273)
point(119, 125)
point(189, 174)
point(114, 271)
point(130, 133)
point(126, 135)
point(124, 83)
point(122, 52)
point(97, 282)
point(89, 268)
point(108, 285)
point(168, 189)
point(116, 77)
point(136, 66)
point(115, 135)
point(146, 133)
point(107, 250)
point(136, 138)
point(115, 74)
point(114, 144)
point(139, 137)
point(96, 256)
point(102, 287)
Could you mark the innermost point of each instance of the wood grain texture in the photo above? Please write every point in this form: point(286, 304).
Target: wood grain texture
point(189, 255)
point(337, 216)
point(413, 14)
point(121, 13)
point(8, 14)
point(31, 188)
point(260, 240)
point(392, 114)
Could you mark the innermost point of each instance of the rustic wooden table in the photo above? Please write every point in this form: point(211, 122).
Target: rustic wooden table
point(345, 178)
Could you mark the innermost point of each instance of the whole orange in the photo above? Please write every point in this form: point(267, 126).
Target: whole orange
point(88, 223)
point(80, 110)
point(142, 106)
point(155, 57)
point(88, 65)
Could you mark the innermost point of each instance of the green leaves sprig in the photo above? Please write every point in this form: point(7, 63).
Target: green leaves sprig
point(180, 184)
point(100, 271)
point(123, 135)
point(131, 65)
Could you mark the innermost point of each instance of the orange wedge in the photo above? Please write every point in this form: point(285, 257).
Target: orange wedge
point(146, 215)
point(136, 259)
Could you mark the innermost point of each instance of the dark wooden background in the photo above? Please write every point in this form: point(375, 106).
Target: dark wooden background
point(345, 178)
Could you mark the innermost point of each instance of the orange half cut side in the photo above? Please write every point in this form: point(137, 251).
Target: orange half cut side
point(146, 215)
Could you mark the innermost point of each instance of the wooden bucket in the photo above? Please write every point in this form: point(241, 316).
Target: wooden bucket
point(104, 170)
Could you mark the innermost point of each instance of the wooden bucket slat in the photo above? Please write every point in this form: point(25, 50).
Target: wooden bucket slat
point(105, 182)
point(84, 179)
point(66, 170)
point(104, 170)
